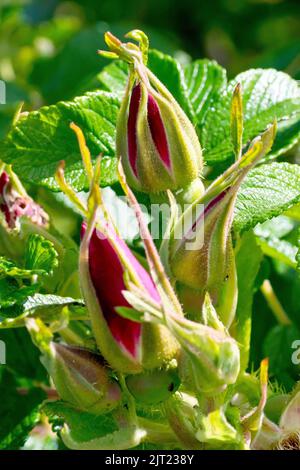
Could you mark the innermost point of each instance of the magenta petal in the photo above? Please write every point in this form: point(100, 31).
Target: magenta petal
point(4, 179)
point(131, 127)
point(158, 131)
point(107, 272)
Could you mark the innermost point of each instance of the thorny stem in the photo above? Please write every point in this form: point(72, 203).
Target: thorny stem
point(274, 303)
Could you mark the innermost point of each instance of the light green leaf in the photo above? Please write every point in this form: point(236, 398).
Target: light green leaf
point(267, 95)
point(39, 141)
point(43, 301)
point(9, 269)
point(40, 254)
point(268, 191)
point(90, 432)
point(277, 227)
point(217, 432)
point(205, 81)
point(46, 306)
point(280, 250)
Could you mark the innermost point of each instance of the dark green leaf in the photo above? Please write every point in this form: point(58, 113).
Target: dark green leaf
point(18, 413)
point(39, 141)
point(84, 426)
point(205, 81)
point(169, 71)
point(278, 347)
point(22, 357)
point(267, 95)
point(267, 192)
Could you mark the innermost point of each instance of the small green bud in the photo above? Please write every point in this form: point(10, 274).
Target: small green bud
point(156, 141)
point(212, 357)
point(81, 378)
point(200, 253)
point(154, 386)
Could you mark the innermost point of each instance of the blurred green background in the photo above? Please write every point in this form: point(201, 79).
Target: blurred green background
point(48, 48)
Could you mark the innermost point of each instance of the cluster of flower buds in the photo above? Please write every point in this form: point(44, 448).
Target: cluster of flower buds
point(200, 253)
point(156, 141)
point(137, 320)
point(15, 202)
point(107, 266)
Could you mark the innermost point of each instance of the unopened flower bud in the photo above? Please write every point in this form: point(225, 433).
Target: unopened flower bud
point(81, 378)
point(200, 249)
point(156, 141)
point(154, 386)
point(212, 356)
point(127, 345)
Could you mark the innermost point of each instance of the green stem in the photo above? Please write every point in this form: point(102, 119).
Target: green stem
point(274, 303)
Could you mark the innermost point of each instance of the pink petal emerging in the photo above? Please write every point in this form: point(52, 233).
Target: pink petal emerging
point(156, 125)
point(107, 272)
point(158, 131)
point(131, 127)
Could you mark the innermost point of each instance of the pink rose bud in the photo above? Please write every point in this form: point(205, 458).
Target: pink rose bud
point(127, 345)
point(156, 141)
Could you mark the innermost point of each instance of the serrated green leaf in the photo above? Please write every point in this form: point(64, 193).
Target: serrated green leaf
point(170, 72)
point(113, 78)
point(84, 426)
point(267, 95)
point(40, 140)
point(40, 254)
point(9, 269)
point(268, 191)
point(205, 81)
point(47, 307)
point(277, 227)
point(18, 413)
point(12, 296)
point(281, 250)
point(43, 301)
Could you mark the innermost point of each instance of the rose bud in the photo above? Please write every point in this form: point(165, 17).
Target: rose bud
point(156, 141)
point(108, 272)
point(153, 387)
point(127, 345)
point(81, 378)
point(15, 203)
point(200, 253)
